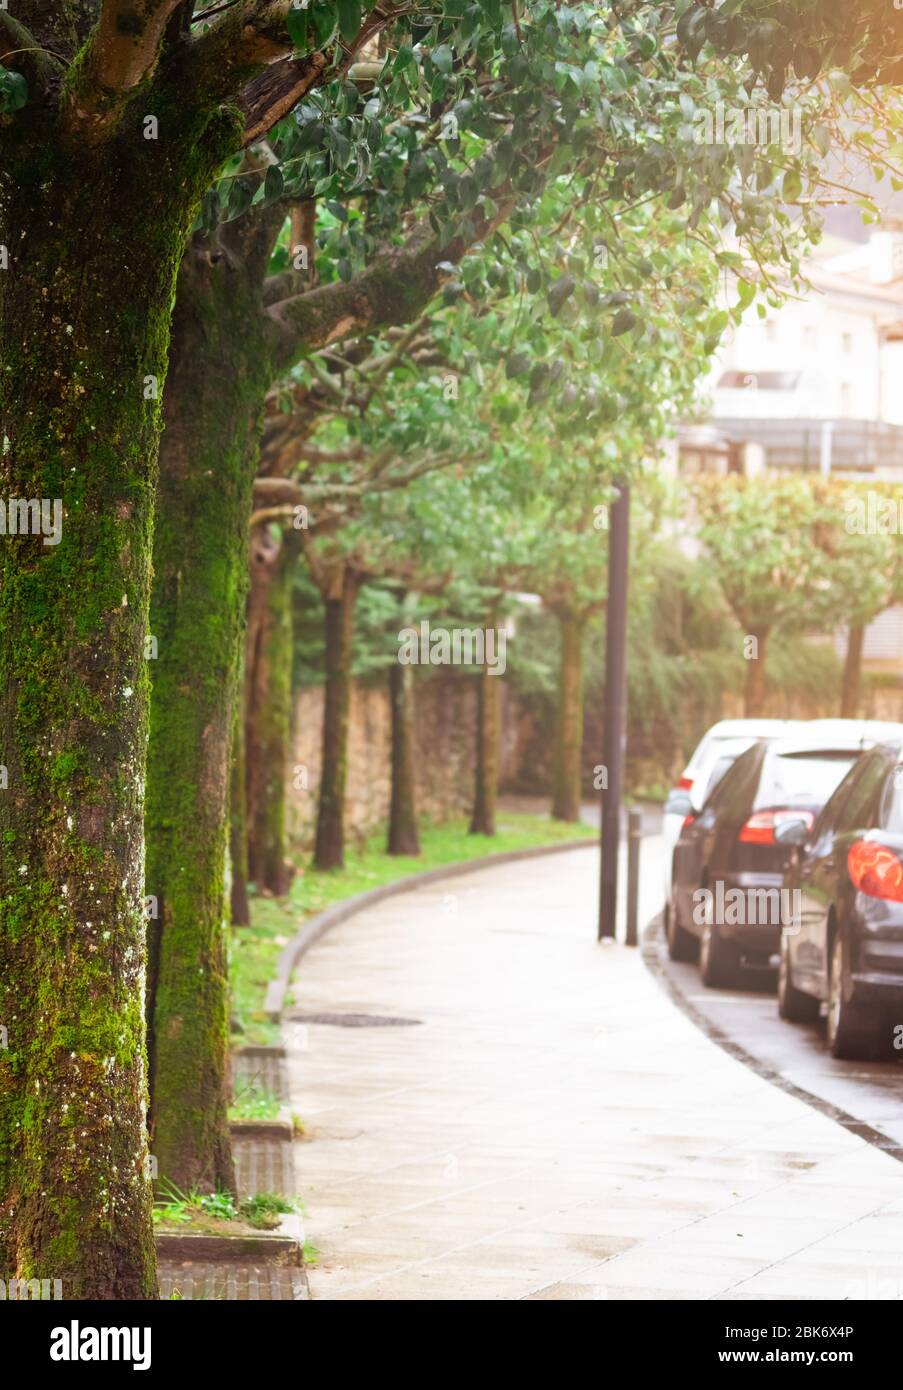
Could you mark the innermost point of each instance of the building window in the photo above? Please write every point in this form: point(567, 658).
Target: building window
point(771, 330)
point(846, 399)
point(847, 342)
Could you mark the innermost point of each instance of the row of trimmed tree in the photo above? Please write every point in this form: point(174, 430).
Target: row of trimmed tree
point(213, 223)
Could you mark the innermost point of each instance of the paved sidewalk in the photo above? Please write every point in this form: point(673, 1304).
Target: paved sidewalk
point(554, 1127)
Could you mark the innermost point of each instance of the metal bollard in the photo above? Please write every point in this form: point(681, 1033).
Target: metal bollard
point(634, 836)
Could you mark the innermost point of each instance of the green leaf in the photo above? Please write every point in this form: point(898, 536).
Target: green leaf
point(296, 24)
point(13, 90)
point(560, 292)
point(350, 12)
point(323, 21)
point(792, 186)
point(624, 320)
point(404, 58)
point(273, 184)
point(746, 293)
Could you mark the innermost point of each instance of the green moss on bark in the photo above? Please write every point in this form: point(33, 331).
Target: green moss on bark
point(84, 319)
point(569, 719)
point(218, 378)
point(268, 722)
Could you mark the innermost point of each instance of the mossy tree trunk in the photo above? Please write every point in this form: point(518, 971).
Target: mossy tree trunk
point(238, 822)
point(207, 464)
point(852, 672)
point(569, 719)
point(755, 691)
point(482, 821)
point(127, 120)
point(94, 244)
point(232, 316)
point(340, 599)
point(403, 834)
point(269, 710)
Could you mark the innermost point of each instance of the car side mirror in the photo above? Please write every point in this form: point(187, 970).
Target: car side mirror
point(792, 832)
point(679, 804)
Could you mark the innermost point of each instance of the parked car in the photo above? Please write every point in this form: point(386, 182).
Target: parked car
point(729, 862)
point(716, 751)
point(846, 954)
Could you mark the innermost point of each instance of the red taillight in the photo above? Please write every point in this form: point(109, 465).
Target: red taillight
point(759, 829)
point(876, 870)
point(688, 820)
point(685, 784)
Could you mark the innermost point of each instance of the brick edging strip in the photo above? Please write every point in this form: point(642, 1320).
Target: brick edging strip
point(322, 922)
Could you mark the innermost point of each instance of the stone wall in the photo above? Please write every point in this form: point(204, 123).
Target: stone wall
point(445, 706)
point(878, 702)
point(445, 715)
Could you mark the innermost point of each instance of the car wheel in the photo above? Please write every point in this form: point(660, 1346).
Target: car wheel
point(719, 960)
point(793, 1004)
point(853, 1031)
point(682, 944)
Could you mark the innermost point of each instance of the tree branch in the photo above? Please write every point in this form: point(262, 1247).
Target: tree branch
point(253, 35)
point(395, 289)
point(271, 95)
point(20, 51)
point(121, 52)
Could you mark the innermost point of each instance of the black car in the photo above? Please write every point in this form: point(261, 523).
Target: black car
point(846, 953)
point(727, 902)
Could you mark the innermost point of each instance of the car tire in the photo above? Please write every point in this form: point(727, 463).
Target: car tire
point(682, 944)
point(793, 1004)
point(853, 1031)
point(719, 960)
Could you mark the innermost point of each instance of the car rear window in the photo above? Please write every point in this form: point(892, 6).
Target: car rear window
point(892, 808)
point(718, 772)
point(802, 779)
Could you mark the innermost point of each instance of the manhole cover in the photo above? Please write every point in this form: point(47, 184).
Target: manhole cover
point(354, 1020)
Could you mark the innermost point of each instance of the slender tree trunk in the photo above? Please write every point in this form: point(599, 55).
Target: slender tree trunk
point(329, 850)
point(569, 722)
point(94, 244)
point(403, 836)
point(207, 464)
point(238, 827)
point(268, 717)
point(756, 678)
point(852, 672)
point(218, 374)
point(482, 821)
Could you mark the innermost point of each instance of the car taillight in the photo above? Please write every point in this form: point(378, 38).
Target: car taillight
point(876, 870)
point(688, 820)
point(685, 784)
point(759, 829)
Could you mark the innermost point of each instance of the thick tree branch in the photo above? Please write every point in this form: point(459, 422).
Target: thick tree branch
point(395, 289)
point(380, 295)
point(21, 52)
point(271, 95)
point(121, 52)
point(252, 35)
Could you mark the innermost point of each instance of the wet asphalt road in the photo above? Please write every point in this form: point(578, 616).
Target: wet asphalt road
point(865, 1096)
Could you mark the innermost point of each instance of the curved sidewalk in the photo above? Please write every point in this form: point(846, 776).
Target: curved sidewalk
point(553, 1126)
